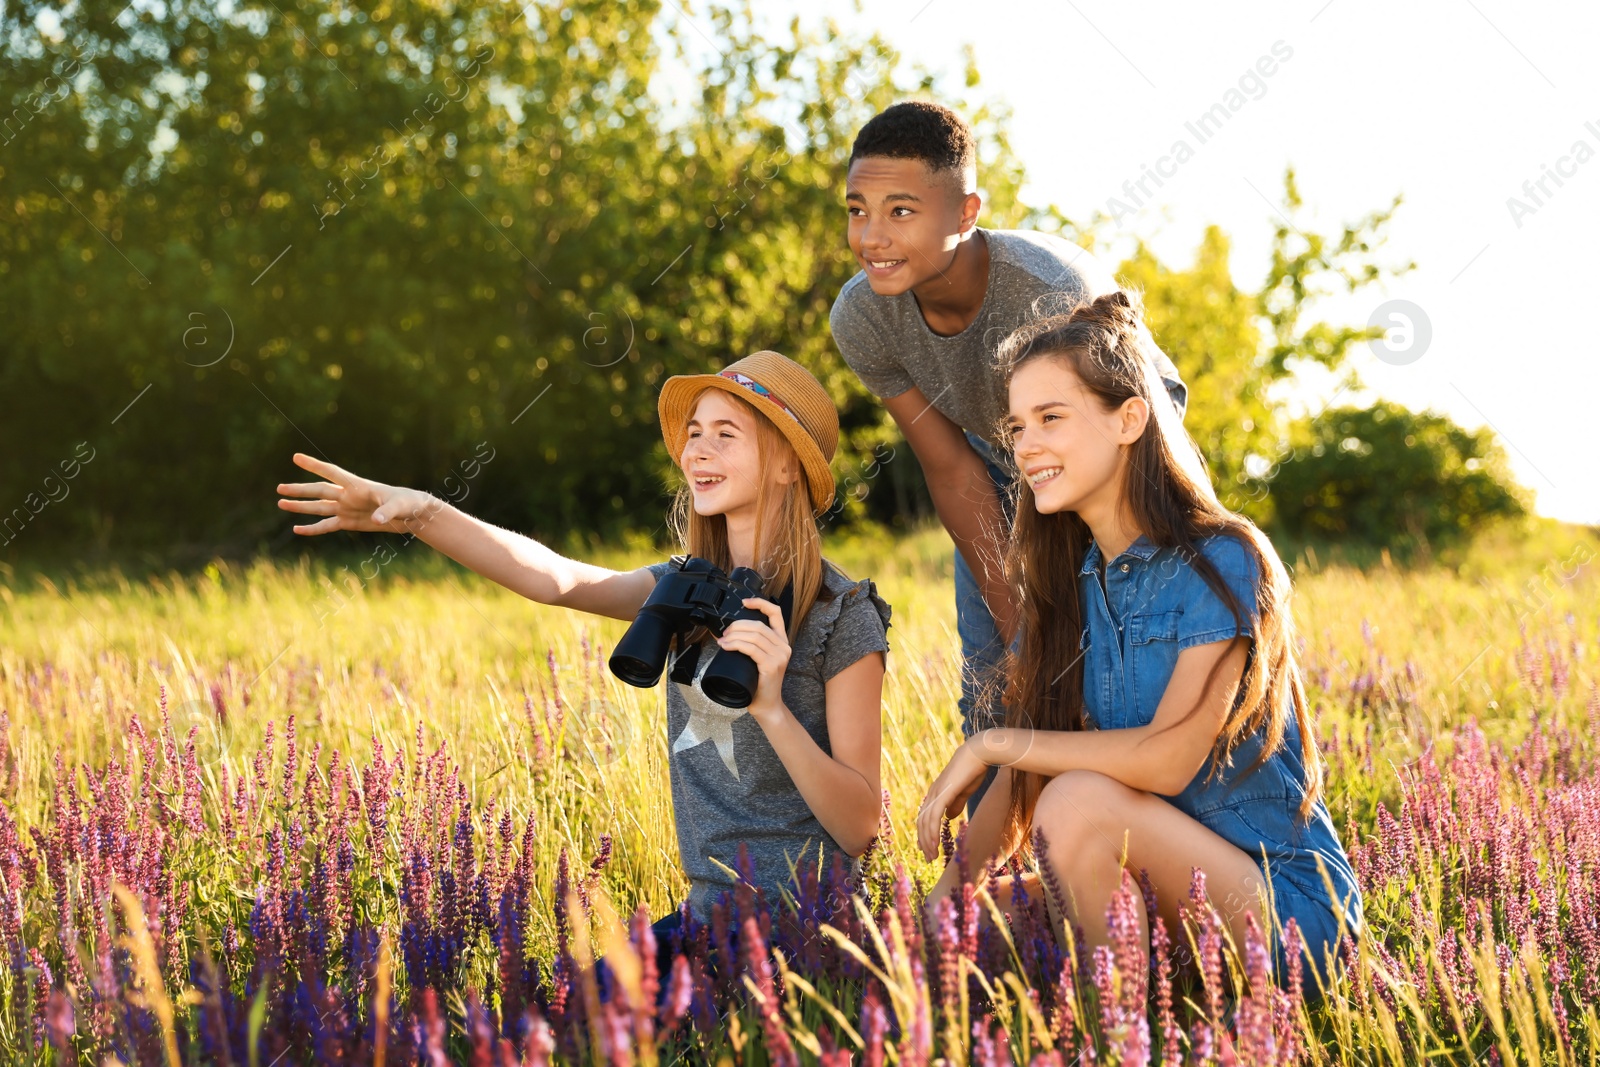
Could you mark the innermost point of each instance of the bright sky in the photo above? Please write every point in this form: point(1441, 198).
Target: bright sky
point(1453, 104)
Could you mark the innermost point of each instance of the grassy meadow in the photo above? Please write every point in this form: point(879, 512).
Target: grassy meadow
point(393, 811)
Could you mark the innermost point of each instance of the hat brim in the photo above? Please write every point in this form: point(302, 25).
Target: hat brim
point(673, 408)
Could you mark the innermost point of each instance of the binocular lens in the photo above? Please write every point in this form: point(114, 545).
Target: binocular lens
point(731, 680)
point(641, 655)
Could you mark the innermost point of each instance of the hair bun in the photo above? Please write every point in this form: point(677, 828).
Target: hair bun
point(1119, 311)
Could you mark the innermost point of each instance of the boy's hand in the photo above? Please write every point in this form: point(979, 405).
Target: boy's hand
point(350, 502)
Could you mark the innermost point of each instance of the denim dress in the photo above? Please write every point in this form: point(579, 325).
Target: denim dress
point(1152, 607)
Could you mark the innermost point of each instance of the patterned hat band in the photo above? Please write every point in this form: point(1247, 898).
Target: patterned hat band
point(760, 390)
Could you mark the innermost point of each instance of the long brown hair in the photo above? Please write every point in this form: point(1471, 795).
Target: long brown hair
point(788, 549)
point(1168, 496)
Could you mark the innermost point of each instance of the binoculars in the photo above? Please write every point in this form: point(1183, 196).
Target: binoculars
point(694, 593)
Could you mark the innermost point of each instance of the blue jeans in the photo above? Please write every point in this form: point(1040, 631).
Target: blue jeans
point(982, 650)
point(663, 929)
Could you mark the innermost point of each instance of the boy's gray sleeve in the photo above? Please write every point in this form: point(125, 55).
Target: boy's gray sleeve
point(1176, 389)
point(875, 362)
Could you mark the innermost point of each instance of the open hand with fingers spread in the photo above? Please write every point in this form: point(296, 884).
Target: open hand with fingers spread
point(350, 502)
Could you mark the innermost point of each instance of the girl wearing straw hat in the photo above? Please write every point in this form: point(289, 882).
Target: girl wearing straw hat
point(793, 777)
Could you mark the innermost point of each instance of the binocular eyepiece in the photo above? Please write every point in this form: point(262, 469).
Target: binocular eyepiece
point(695, 593)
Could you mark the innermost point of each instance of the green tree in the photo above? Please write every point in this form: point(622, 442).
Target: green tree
point(1384, 476)
point(410, 235)
point(390, 234)
point(1236, 347)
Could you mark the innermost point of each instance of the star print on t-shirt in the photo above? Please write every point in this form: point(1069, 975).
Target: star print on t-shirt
point(708, 720)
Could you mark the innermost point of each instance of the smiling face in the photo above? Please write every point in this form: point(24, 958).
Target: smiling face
point(1071, 450)
point(721, 457)
point(905, 220)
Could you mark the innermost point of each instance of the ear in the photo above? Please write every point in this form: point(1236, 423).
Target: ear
point(792, 470)
point(787, 469)
point(1132, 418)
point(971, 204)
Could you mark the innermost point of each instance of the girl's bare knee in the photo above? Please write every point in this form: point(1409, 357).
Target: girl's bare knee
point(1081, 816)
point(1077, 797)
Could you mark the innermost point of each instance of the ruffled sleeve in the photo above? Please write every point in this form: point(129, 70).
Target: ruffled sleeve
point(851, 625)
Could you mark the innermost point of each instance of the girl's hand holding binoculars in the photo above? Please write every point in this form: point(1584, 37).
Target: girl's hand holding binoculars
point(349, 502)
point(768, 645)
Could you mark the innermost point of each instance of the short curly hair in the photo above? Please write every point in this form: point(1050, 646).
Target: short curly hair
point(918, 129)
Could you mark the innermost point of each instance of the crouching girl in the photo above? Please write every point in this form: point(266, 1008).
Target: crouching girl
point(793, 777)
point(1156, 715)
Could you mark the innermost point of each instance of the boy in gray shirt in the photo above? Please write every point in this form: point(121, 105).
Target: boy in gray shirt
point(919, 325)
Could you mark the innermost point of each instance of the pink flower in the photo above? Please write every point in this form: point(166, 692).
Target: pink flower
point(760, 968)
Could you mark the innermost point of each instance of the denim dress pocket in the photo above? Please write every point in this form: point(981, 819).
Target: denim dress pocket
point(1153, 656)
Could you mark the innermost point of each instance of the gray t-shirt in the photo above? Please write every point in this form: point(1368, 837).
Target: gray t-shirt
point(728, 785)
point(886, 341)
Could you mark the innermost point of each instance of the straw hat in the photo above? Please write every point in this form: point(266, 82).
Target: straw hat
point(786, 392)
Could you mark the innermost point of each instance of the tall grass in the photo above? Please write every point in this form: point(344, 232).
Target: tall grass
point(383, 814)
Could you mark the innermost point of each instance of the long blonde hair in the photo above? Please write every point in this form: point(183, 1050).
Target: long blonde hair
point(788, 549)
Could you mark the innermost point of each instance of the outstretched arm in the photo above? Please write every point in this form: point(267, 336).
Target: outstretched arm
point(963, 495)
point(349, 502)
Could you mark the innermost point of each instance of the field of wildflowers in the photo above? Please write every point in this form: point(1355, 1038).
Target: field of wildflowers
point(290, 814)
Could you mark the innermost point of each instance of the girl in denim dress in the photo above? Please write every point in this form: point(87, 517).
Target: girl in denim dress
point(1156, 717)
